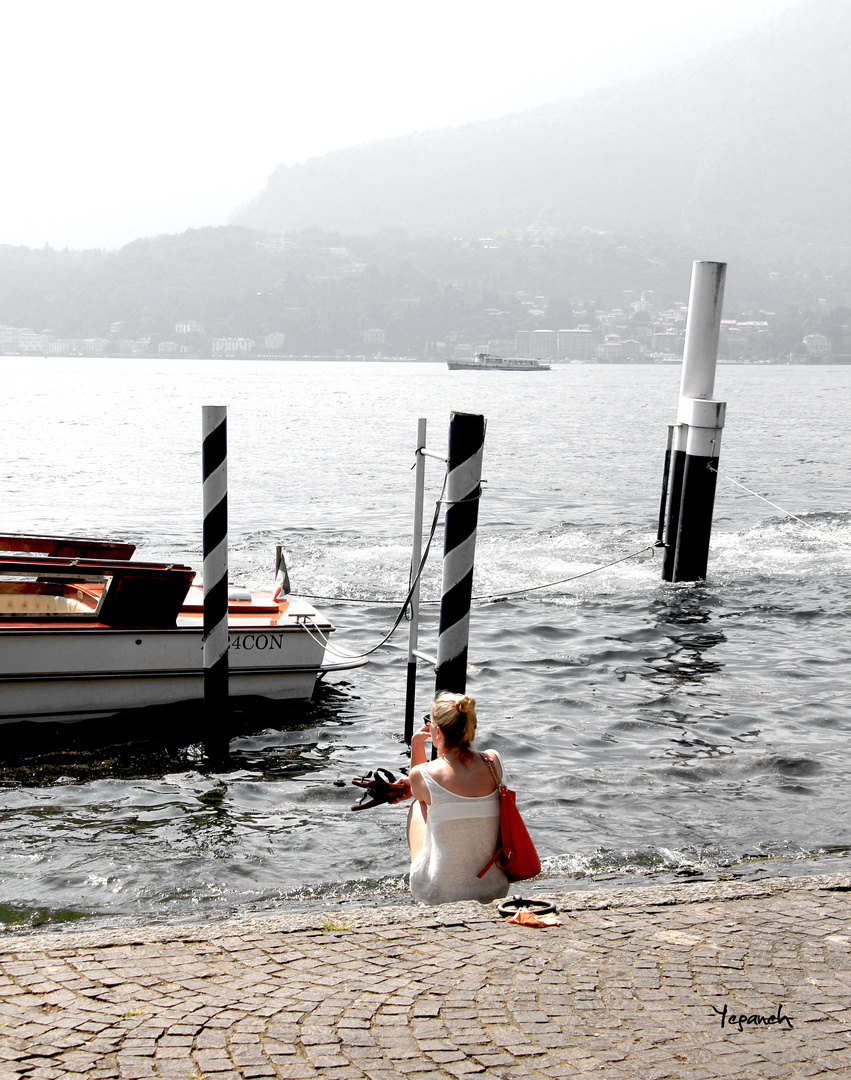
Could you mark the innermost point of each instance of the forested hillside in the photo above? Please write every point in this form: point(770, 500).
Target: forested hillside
point(325, 292)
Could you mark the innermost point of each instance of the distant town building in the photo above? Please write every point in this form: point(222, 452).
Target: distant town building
point(274, 342)
point(818, 346)
point(610, 352)
point(134, 348)
point(632, 351)
point(21, 341)
point(523, 343)
point(740, 340)
point(670, 342)
point(168, 348)
point(190, 326)
point(643, 304)
point(231, 346)
point(373, 337)
point(544, 344)
point(77, 347)
point(575, 344)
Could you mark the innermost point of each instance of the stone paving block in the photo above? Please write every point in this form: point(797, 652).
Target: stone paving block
point(209, 1062)
point(443, 1056)
point(416, 1066)
point(133, 1070)
point(466, 1067)
point(325, 1060)
point(278, 1048)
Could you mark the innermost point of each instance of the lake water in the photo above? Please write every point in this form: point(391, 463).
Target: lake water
point(652, 731)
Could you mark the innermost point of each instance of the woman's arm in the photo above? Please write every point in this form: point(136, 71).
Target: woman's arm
point(418, 757)
point(419, 789)
point(418, 741)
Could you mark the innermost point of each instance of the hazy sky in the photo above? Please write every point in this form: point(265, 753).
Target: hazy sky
point(125, 119)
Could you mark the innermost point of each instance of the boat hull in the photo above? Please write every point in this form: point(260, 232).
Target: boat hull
point(69, 675)
point(85, 631)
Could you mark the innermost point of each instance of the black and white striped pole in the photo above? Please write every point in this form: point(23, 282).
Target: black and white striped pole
point(215, 637)
point(463, 491)
point(696, 442)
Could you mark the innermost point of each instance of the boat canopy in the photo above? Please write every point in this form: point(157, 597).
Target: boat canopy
point(110, 591)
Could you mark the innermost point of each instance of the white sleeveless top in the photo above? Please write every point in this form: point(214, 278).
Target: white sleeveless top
point(461, 836)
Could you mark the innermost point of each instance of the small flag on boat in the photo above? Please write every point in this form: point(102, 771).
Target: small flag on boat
point(281, 588)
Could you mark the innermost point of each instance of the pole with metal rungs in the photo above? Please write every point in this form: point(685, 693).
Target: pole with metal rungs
point(691, 468)
point(416, 556)
point(463, 490)
point(215, 636)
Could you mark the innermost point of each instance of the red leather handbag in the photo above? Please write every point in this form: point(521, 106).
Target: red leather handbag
point(519, 860)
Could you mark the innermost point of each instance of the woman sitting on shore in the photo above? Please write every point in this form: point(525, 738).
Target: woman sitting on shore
point(453, 827)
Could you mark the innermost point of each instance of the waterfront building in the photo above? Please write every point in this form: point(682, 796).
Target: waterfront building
point(818, 346)
point(575, 344)
point(231, 346)
point(134, 348)
point(545, 344)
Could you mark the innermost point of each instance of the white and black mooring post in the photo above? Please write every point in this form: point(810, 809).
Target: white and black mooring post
point(692, 467)
point(215, 637)
point(463, 492)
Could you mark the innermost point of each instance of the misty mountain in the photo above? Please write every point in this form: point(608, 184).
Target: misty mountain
point(745, 152)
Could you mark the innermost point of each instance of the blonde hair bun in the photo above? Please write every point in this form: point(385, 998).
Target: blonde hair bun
point(455, 715)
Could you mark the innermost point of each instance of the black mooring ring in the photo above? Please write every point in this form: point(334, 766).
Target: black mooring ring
point(512, 906)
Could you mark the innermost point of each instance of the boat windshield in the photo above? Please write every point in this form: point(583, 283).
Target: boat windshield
point(52, 596)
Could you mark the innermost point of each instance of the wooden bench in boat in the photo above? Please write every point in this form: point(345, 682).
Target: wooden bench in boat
point(42, 605)
point(44, 598)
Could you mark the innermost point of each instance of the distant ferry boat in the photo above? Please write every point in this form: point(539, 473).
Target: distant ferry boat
point(484, 362)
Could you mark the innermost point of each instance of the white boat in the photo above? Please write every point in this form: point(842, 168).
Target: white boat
point(85, 631)
point(486, 362)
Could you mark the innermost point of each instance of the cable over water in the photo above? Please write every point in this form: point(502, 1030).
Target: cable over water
point(484, 596)
point(788, 513)
point(561, 581)
point(319, 636)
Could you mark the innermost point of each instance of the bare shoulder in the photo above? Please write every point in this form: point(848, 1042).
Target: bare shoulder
point(493, 757)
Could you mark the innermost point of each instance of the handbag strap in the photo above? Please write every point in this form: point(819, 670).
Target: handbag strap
point(500, 787)
point(489, 762)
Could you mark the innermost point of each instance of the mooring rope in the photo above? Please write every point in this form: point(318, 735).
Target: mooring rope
point(561, 581)
point(788, 513)
point(319, 636)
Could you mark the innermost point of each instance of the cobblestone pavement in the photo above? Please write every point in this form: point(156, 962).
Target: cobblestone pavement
point(637, 984)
